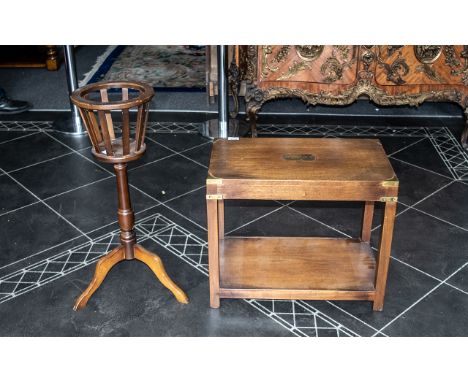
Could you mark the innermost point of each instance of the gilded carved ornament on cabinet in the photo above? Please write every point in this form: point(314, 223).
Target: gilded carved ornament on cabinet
point(296, 67)
point(279, 57)
point(454, 63)
point(309, 52)
point(428, 54)
point(393, 48)
point(332, 69)
point(396, 70)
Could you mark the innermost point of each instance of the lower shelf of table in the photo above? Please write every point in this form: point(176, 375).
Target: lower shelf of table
point(296, 268)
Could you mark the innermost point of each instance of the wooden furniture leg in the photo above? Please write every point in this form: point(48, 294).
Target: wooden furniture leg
point(103, 267)
point(52, 62)
point(220, 219)
point(367, 222)
point(383, 258)
point(253, 123)
point(213, 251)
point(154, 262)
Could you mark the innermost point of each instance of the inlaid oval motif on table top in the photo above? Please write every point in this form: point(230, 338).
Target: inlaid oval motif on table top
point(309, 52)
point(427, 54)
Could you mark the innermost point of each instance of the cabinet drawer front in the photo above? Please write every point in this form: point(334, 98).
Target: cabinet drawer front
point(422, 65)
point(323, 64)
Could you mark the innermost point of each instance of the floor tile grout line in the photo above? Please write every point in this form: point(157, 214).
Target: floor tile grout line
point(53, 258)
point(422, 168)
point(19, 208)
point(175, 151)
point(184, 194)
point(442, 154)
point(185, 217)
point(78, 187)
point(55, 195)
point(433, 140)
point(455, 287)
point(152, 162)
point(47, 205)
point(420, 299)
point(163, 203)
point(408, 207)
point(440, 219)
point(40, 162)
point(21, 137)
point(61, 273)
point(40, 252)
point(183, 151)
point(80, 154)
point(432, 193)
point(193, 160)
point(254, 220)
point(406, 147)
point(306, 305)
point(320, 222)
point(407, 309)
point(348, 130)
point(412, 267)
point(351, 315)
point(273, 316)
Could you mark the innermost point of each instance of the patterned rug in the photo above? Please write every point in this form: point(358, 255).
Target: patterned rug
point(165, 67)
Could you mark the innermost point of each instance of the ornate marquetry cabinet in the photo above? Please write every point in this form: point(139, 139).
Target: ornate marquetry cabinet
point(339, 74)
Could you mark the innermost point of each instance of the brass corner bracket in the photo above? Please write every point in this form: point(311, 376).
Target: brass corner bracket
point(214, 196)
point(388, 199)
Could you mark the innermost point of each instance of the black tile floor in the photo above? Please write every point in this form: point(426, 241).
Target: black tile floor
point(57, 217)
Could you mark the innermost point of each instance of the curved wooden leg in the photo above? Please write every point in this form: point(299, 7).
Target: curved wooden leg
point(103, 267)
point(155, 264)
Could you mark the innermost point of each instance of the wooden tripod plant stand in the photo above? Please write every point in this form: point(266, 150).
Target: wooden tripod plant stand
point(95, 104)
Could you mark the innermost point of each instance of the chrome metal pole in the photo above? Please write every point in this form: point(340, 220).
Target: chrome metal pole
point(70, 68)
point(223, 97)
point(71, 124)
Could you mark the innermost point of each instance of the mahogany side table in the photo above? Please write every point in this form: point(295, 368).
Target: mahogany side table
point(99, 105)
point(313, 268)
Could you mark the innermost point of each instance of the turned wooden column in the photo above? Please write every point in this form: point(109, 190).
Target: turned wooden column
point(125, 212)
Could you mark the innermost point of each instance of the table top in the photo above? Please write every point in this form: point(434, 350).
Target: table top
point(301, 159)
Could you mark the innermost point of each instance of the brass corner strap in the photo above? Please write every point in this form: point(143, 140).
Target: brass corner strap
point(214, 181)
point(388, 199)
point(391, 182)
point(214, 196)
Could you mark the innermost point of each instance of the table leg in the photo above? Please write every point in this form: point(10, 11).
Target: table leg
point(213, 251)
point(221, 219)
point(383, 258)
point(367, 221)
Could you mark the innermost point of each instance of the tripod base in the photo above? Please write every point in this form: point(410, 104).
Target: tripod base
point(117, 255)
